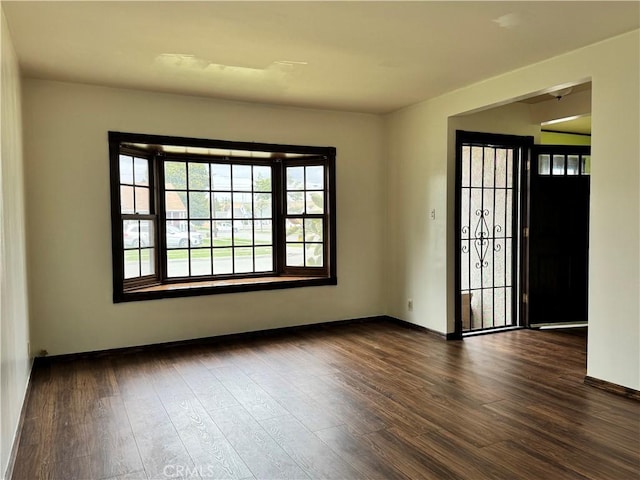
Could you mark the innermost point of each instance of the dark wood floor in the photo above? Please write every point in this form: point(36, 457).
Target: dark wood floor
point(366, 400)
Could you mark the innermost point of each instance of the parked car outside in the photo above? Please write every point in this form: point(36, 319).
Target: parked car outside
point(135, 238)
point(175, 237)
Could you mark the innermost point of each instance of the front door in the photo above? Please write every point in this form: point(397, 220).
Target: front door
point(558, 235)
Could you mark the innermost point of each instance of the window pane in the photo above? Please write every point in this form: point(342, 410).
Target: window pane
point(220, 177)
point(199, 205)
point(261, 179)
point(201, 261)
point(295, 203)
point(262, 232)
point(295, 178)
point(313, 255)
point(313, 229)
point(315, 202)
point(243, 258)
point(203, 229)
point(558, 164)
point(221, 205)
point(198, 176)
point(262, 205)
point(239, 225)
point(181, 225)
point(315, 178)
point(126, 169)
point(176, 204)
point(131, 263)
point(544, 165)
point(222, 233)
point(295, 255)
point(147, 261)
point(142, 200)
point(242, 177)
point(147, 237)
point(138, 233)
point(222, 263)
point(572, 165)
point(242, 205)
point(126, 199)
point(178, 237)
point(264, 259)
point(131, 233)
point(586, 165)
point(178, 263)
point(141, 171)
point(243, 233)
point(175, 175)
point(293, 228)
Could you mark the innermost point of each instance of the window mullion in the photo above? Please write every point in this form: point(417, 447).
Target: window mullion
point(279, 217)
point(161, 217)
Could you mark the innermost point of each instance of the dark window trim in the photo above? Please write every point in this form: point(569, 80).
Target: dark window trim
point(152, 287)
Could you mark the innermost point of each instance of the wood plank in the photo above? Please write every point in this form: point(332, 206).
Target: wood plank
point(312, 415)
point(309, 452)
point(209, 449)
point(406, 458)
point(156, 438)
point(359, 453)
point(262, 454)
point(257, 402)
point(210, 391)
point(526, 463)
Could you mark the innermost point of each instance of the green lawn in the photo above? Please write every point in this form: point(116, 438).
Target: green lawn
point(198, 252)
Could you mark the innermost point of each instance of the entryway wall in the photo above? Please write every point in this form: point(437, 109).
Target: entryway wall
point(421, 178)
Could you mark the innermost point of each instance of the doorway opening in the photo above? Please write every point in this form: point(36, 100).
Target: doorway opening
point(541, 276)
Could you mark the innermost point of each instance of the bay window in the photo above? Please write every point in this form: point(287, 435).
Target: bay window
point(193, 216)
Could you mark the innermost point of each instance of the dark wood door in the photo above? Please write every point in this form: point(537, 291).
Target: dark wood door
point(558, 234)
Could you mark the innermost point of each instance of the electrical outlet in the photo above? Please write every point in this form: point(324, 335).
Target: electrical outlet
point(433, 214)
point(410, 304)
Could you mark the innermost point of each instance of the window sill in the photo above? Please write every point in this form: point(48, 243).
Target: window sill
point(212, 287)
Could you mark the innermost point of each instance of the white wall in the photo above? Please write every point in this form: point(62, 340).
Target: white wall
point(421, 174)
point(425, 192)
point(556, 138)
point(69, 226)
point(511, 119)
point(15, 363)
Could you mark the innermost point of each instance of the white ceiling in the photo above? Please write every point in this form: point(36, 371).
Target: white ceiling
point(358, 56)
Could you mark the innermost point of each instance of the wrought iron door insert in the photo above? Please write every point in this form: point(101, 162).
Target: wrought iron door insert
point(487, 224)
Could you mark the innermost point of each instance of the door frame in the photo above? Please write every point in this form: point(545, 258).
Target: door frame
point(524, 147)
point(532, 170)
